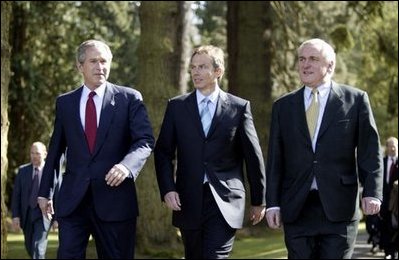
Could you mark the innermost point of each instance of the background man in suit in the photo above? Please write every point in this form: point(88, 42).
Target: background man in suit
point(106, 130)
point(316, 157)
point(26, 214)
point(388, 231)
point(212, 140)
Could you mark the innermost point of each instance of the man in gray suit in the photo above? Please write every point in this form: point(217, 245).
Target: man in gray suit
point(212, 133)
point(26, 215)
point(323, 141)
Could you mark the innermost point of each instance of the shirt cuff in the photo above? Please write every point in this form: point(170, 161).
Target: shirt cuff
point(126, 171)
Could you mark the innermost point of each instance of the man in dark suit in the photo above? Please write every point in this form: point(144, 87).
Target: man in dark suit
point(108, 137)
point(212, 140)
point(27, 214)
point(323, 140)
point(388, 231)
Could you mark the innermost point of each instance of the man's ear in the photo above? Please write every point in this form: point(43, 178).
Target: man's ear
point(79, 66)
point(218, 72)
point(330, 66)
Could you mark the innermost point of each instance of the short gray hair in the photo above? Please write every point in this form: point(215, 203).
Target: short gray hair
point(81, 52)
point(326, 49)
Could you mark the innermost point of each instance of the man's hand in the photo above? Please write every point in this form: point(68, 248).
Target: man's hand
point(172, 200)
point(370, 205)
point(54, 226)
point(16, 226)
point(273, 217)
point(256, 214)
point(46, 206)
point(115, 176)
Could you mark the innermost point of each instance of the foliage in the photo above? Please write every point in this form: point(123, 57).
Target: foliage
point(211, 22)
point(45, 37)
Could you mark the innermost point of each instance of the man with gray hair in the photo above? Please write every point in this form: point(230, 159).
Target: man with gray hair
point(26, 214)
point(323, 141)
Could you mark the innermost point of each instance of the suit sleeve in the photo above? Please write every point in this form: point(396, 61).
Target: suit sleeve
point(142, 136)
point(369, 156)
point(16, 200)
point(56, 149)
point(253, 159)
point(274, 161)
point(164, 154)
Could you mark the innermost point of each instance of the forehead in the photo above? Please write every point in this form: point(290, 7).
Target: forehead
point(97, 51)
point(36, 149)
point(201, 58)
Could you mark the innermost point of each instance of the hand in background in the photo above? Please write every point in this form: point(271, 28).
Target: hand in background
point(256, 214)
point(273, 217)
point(172, 200)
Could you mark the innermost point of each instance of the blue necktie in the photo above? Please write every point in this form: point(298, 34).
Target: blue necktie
point(206, 117)
point(34, 189)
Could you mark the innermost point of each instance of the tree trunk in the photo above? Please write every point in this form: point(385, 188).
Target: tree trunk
point(160, 57)
point(5, 79)
point(249, 64)
point(249, 71)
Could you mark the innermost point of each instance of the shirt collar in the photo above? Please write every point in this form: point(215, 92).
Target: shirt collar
point(323, 89)
point(99, 91)
point(40, 167)
point(212, 97)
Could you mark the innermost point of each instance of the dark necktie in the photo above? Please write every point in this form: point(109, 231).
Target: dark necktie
point(91, 122)
point(34, 189)
point(391, 170)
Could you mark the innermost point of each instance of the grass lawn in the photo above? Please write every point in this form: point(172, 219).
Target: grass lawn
point(267, 244)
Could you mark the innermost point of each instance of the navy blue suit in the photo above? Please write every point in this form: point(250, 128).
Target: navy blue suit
point(124, 136)
point(231, 140)
point(347, 152)
point(388, 232)
point(35, 228)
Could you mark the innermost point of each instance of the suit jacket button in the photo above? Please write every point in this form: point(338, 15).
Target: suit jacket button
point(205, 163)
point(314, 162)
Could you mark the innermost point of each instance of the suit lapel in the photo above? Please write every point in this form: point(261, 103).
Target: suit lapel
point(333, 104)
point(110, 104)
point(299, 112)
point(29, 177)
point(192, 108)
point(76, 114)
point(221, 108)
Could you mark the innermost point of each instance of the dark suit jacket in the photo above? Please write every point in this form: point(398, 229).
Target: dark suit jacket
point(347, 151)
point(387, 188)
point(21, 194)
point(124, 135)
point(231, 139)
